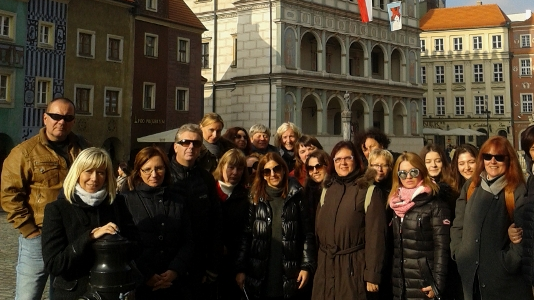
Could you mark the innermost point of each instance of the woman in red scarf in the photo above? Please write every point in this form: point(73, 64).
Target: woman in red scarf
point(421, 227)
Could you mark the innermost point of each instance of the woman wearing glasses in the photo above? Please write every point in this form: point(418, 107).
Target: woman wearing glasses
point(277, 253)
point(213, 146)
point(240, 138)
point(488, 262)
point(351, 236)
point(318, 166)
point(158, 211)
point(420, 231)
point(287, 136)
point(86, 209)
point(306, 144)
point(231, 177)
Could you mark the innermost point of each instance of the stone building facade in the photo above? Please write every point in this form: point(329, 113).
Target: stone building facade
point(275, 61)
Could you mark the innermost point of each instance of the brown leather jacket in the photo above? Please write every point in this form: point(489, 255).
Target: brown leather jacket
point(32, 176)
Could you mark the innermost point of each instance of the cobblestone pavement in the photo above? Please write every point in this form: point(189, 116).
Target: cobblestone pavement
point(8, 259)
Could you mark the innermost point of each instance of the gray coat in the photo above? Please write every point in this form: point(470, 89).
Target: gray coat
point(480, 244)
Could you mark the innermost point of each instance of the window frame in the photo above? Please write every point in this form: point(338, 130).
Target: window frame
point(440, 106)
point(186, 100)
point(438, 44)
point(422, 44)
point(478, 75)
point(155, 46)
point(11, 23)
point(439, 76)
point(153, 96)
point(38, 92)
point(524, 70)
point(92, 35)
point(423, 75)
point(498, 75)
point(51, 34)
point(525, 40)
point(525, 103)
point(458, 73)
point(106, 103)
point(90, 100)
point(480, 105)
point(205, 55)
point(496, 44)
point(423, 106)
point(9, 88)
point(459, 106)
point(182, 55)
point(498, 104)
point(458, 43)
point(153, 7)
point(120, 49)
point(477, 42)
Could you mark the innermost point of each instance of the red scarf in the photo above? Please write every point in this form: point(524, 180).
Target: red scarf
point(402, 202)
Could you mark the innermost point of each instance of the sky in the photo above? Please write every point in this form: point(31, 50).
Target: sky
point(508, 6)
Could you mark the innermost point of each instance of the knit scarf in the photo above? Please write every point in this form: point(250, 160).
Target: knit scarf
point(91, 199)
point(224, 190)
point(403, 200)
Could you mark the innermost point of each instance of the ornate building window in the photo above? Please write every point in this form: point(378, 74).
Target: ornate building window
point(496, 41)
point(480, 105)
point(43, 91)
point(438, 44)
point(477, 42)
point(498, 104)
point(459, 104)
point(440, 74)
point(46, 34)
point(526, 103)
point(497, 72)
point(458, 73)
point(525, 40)
point(526, 69)
point(478, 73)
point(440, 106)
point(457, 42)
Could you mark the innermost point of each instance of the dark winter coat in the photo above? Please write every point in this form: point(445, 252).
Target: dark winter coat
point(351, 241)
point(207, 160)
point(67, 244)
point(164, 228)
point(481, 246)
point(198, 188)
point(288, 156)
point(527, 218)
point(421, 247)
point(298, 243)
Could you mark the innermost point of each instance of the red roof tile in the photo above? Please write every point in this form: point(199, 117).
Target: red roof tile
point(476, 16)
point(180, 13)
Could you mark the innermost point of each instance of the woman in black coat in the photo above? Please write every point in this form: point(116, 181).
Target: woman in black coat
point(231, 176)
point(488, 263)
point(278, 248)
point(420, 230)
point(159, 214)
point(86, 209)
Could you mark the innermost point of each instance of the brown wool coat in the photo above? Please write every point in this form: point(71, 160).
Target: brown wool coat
point(351, 242)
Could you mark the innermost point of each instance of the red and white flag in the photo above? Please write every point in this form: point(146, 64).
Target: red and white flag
point(366, 10)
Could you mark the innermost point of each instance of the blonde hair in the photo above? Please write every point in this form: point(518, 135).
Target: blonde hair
point(88, 159)
point(233, 157)
point(285, 127)
point(211, 118)
point(376, 153)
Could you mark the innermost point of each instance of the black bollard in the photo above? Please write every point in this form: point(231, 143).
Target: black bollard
point(111, 276)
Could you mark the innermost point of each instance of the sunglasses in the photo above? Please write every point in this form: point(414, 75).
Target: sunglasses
point(268, 172)
point(317, 167)
point(253, 168)
point(404, 174)
point(498, 157)
point(58, 117)
point(186, 143)
point(238, 137)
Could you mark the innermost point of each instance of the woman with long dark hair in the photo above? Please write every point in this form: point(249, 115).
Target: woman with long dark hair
point(464, 163)
point(306, 144)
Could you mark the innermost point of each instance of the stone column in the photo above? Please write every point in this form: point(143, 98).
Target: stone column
point(346, 115)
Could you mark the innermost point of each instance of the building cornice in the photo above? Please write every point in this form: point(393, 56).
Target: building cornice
point(168, 24)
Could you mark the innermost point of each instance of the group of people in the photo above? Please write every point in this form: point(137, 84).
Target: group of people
point(233, 217)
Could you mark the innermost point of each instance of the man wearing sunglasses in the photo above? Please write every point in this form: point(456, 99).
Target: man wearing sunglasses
point(198, 186)
point(32, 176)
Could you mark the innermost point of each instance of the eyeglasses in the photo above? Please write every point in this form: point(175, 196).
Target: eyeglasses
point(339, 160)
point(158, 170)
point(379, 166)
point(253, 168)
point(498, 157)
point(277, 169)
point(317, 167)
point(186, 143)
point(239, 137)
point(58, 117)
point(404, 174)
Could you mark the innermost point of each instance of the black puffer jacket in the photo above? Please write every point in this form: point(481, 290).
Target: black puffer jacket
point(527, 216)
point(421, 247)
point(298, 242)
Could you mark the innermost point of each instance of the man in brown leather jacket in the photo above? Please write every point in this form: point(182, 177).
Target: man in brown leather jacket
point(32, 176)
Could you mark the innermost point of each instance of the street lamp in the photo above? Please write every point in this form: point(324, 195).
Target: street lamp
point(487, 112)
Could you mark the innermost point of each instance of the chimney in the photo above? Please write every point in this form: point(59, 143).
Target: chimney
point(479, 2)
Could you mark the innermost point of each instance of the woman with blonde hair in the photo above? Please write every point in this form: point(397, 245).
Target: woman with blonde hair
point(420, 231)
point(488, 262)
point(286, 137)
point(277, 252)
point(214, 145)
point(87, 208)
point(231, 176)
